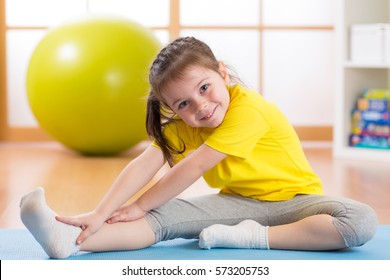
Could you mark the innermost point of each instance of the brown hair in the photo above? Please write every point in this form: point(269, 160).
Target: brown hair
point(169, 65)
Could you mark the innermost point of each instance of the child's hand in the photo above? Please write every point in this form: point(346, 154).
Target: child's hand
point(88, 222)
point(127, 213)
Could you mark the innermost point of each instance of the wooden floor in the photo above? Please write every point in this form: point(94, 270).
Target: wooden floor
point(75, 184)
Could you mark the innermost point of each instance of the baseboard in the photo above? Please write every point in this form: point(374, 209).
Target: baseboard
point(20, 134)
point(314, 133)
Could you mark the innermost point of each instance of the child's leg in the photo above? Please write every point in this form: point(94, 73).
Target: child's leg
point(59, 240)
point(303, 223)
point(312, 233)
point(120, 236)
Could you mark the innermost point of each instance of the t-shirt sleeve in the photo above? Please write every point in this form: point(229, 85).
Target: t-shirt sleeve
point(238, 134)
point(155, 144)
point(171, 133)
point(179, 143)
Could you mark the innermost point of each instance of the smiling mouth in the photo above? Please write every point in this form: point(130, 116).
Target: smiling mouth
point(209, 115)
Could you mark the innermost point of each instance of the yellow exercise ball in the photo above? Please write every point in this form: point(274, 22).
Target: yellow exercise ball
point(86, 83)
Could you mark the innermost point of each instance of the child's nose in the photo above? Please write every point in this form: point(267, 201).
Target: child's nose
point(201, 105)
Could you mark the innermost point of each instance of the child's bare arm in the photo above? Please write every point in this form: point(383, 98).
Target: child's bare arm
point(133, 178)
point(180, 177)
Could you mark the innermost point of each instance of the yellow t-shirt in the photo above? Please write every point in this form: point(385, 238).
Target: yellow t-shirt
point(265, 160)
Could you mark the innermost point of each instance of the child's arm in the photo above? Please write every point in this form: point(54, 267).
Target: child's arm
point(180, 177)
point(133, 178)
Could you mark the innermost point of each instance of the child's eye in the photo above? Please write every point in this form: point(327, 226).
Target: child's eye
point(183, 104)
point(204, 88)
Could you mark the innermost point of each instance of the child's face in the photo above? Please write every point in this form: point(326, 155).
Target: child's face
point(200, 98)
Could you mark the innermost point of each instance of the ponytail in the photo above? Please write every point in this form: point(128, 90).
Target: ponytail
point(155, 122)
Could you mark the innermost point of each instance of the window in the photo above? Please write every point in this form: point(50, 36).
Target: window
point(281, 48)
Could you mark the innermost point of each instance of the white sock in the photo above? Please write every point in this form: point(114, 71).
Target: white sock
point(56, 238)
point(248, 234)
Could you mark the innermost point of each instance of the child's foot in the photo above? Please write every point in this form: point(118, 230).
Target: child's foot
point(248, 234)
point(56, 238)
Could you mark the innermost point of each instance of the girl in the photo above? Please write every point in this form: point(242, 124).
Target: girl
point(240, 143)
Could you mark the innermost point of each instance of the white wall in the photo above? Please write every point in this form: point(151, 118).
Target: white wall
point(298, 65)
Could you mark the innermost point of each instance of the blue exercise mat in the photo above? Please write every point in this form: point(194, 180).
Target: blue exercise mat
point(19, 244)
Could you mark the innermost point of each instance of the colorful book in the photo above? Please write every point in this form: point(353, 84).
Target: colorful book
point(369, 141)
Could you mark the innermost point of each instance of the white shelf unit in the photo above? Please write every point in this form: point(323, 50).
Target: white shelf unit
point(353, 78)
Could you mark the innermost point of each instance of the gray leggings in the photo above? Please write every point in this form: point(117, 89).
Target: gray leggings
point(181, 218)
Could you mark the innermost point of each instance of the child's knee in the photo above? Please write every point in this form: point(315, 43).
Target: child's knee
point(358, 226)
point(368, 224)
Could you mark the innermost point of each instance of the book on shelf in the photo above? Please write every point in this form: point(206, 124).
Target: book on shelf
point(371, 120)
